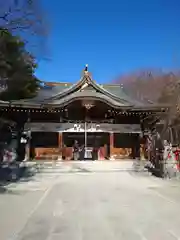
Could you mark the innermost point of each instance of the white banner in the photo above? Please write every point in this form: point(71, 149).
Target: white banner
point(80, 127)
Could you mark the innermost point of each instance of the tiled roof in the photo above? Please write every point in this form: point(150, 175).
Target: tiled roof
point(89, 94)
point(119, 91)
point(63, 93)
point(51, 89)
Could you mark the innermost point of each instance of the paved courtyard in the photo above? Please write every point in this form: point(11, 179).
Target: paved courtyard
point(90, 201)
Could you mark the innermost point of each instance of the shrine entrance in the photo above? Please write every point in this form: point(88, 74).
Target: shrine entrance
point(96, 145)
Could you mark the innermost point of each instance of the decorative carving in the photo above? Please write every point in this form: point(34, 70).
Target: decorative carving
point(88, 105)
point(88, 81)
point(84, 85)
point(77, 127)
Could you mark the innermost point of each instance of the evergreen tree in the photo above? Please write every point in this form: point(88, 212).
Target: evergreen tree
point(17, 68)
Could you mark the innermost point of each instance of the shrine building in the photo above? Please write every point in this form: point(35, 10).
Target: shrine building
point(91, 113)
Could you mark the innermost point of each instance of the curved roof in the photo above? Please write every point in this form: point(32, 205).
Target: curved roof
point(89, 96)
point(64, 93)
point(85, 79)
point(112, 91)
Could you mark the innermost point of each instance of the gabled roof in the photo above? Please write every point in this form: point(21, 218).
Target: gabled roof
point(90, 95)
point(85, 80)
point(61, 94)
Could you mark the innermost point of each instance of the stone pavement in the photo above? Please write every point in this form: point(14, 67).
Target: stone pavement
point(91, 200)
point(91, 166)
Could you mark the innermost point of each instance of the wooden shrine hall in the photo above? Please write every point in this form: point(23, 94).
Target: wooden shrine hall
point(93, 114)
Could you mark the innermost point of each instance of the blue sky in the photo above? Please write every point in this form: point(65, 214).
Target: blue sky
point(113, 37)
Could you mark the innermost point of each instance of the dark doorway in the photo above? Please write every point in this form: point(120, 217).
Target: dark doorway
point(44, 139)
point(128, 140)
point(70, 137)
point(97, 141)
point(100, 138)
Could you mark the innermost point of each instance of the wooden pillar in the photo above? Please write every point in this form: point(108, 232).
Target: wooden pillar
point(60, 140)
point(60, 143)
point(111, 135)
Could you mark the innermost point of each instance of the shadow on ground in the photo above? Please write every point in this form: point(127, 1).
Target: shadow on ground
point(18, 174)
point(5, 190)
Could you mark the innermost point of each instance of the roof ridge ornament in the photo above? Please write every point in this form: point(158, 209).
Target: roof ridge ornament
point(86, 72)
point(86, 75)
point(86, 68)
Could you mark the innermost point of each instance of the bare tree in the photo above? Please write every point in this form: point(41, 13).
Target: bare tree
point(26, 19)
point(156, 86)
point(159, 88)
point(172, 95)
